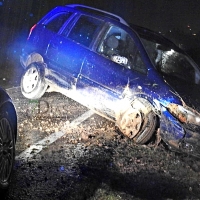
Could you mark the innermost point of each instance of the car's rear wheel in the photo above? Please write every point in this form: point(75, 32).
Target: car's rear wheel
point(8, 128)
point(33, 84)
point(138, 122)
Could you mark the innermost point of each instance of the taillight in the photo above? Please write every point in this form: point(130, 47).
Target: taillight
point(31, 30)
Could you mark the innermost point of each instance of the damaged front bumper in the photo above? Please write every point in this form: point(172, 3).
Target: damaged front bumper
point(178, 131)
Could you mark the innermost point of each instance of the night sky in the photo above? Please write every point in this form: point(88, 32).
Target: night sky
point(179, 20)
point(159, 15)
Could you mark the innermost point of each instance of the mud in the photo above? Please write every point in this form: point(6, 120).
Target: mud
point(93, 161)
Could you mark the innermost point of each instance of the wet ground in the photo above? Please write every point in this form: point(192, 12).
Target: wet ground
point(65, 151)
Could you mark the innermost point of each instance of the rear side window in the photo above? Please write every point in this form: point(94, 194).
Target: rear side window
point(57, 21)
point(84, 30)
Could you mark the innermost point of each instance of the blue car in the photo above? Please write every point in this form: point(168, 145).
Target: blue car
point(8, 136)
point(125, 73)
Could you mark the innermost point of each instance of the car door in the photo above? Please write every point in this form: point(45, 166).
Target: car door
point(42, 33)
point(67, 51)
point(115, 65)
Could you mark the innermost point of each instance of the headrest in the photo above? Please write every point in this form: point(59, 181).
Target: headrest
point(112, 42)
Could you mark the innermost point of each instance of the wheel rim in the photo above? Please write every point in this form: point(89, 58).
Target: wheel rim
point(6, 150)
point(131, 123)
point(30, 79)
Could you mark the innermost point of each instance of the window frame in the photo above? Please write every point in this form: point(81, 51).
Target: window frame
point(99, 22)
point(54, 17)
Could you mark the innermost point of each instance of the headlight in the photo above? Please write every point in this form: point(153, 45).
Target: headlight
point(184, 113)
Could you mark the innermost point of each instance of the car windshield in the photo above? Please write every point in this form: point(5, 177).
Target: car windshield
point(172, 63)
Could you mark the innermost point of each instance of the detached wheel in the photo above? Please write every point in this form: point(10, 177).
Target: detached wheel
point(138, 122)
point(8, 129)
point(33, 84)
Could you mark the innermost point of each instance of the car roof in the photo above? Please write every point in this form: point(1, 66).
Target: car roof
point(96, 11)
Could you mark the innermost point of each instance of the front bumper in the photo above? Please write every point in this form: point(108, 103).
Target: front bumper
point(177, 136)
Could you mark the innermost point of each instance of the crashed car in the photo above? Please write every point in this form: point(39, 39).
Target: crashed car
point(8, 136)
point(125, 73)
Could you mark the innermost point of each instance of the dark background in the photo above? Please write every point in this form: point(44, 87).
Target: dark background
point(159, 15)
point(179, 20)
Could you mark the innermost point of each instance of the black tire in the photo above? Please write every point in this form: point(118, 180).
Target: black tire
point(33, 85)
point(8, 132)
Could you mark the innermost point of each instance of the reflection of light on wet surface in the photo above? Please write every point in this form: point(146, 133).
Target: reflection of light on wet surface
point(38, 119)
point(62, 168)
point(38, 146)
point(105, 102)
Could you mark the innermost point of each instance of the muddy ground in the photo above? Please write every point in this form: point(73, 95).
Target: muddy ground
point(92, 161)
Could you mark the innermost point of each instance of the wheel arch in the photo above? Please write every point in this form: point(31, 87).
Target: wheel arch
point(8, 106)
point(31, 58)
point(143, 96)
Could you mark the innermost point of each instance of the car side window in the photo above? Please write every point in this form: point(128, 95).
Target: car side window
point(85, 30)
point(57, 21)
point(118, 46)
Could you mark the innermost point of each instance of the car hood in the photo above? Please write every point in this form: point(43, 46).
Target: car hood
point(188, 92)
point(186, 84)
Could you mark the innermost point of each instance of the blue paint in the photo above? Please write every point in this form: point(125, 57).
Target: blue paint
point(75, 50)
